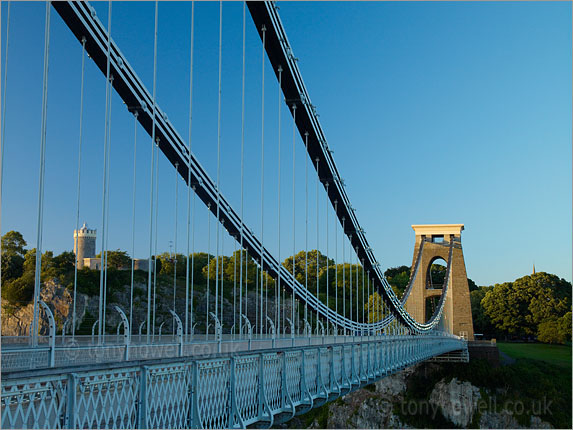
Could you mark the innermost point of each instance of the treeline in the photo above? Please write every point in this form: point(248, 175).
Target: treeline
point(18, 273)
point(534, 306)
point(19, 266)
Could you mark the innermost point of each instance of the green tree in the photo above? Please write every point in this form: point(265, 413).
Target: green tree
point(117, 259)
point(519, 307)
point(13, 243)
point(199, 260)
point(58, 266)
point(549, 332)
point(305, 262)
point(212, 269)
point(437, 275)
point(482, 322)
point(12, 267)
point(88, 281)
point(64, 262)
point(168, 264)
point(19, 291)
point(398, 278)
point(565, 326)
point(375, 308)
point(13, 252)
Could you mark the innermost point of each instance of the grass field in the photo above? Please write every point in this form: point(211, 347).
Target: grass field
point(559, 355)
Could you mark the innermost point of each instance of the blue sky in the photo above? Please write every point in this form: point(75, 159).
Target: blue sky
point(454, 112)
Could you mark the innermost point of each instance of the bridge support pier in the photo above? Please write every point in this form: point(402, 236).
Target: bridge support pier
point(457, 315)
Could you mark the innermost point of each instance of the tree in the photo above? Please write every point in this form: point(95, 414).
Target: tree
point(168, 264)
point(212, 272)
point(549, 332)
point(198, 260)
point(519, 307)
point(19, 291)
point(437, 275)
point(13, 243)
point(12, 266)
point(398, 278)
point(58, 266)
point(472, 285)
point(482, 323)
point(13, 252)
point(375, 308)
point(305, 262)
point(393, 271)
point(565, 325)
point(64, 262)
point(117, 259)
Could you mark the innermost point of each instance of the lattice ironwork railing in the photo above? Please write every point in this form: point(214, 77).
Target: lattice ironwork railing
point(234, 391)
point(19, 357)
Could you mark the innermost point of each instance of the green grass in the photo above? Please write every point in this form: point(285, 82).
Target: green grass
point(559, 355)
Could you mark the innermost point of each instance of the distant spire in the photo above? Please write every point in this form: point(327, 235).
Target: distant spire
point(533, 269)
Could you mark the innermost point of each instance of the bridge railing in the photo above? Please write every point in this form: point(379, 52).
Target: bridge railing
point(232, 390)
point(84, 350)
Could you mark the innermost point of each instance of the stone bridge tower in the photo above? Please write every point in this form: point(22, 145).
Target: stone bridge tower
point(457, 316)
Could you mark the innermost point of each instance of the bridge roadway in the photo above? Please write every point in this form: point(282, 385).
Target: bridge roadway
point(231, 389)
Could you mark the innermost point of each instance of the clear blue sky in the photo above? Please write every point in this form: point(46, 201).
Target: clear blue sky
point(437, 113)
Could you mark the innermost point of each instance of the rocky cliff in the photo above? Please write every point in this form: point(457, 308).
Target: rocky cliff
point(388, 403)
point(17, 322)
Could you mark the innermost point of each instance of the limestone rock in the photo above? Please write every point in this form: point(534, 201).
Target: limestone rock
point(57, 297)
point(457, 400)
point(370, 409)
point(498, 420)
point(392, 386)
point(538, 423)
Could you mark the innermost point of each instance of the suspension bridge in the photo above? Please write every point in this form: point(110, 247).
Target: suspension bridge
point(240, 352)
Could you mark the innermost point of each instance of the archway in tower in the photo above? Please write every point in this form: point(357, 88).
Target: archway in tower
point(435, 278)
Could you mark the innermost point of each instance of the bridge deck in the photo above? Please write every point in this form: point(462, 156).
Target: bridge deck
point(231, 389)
